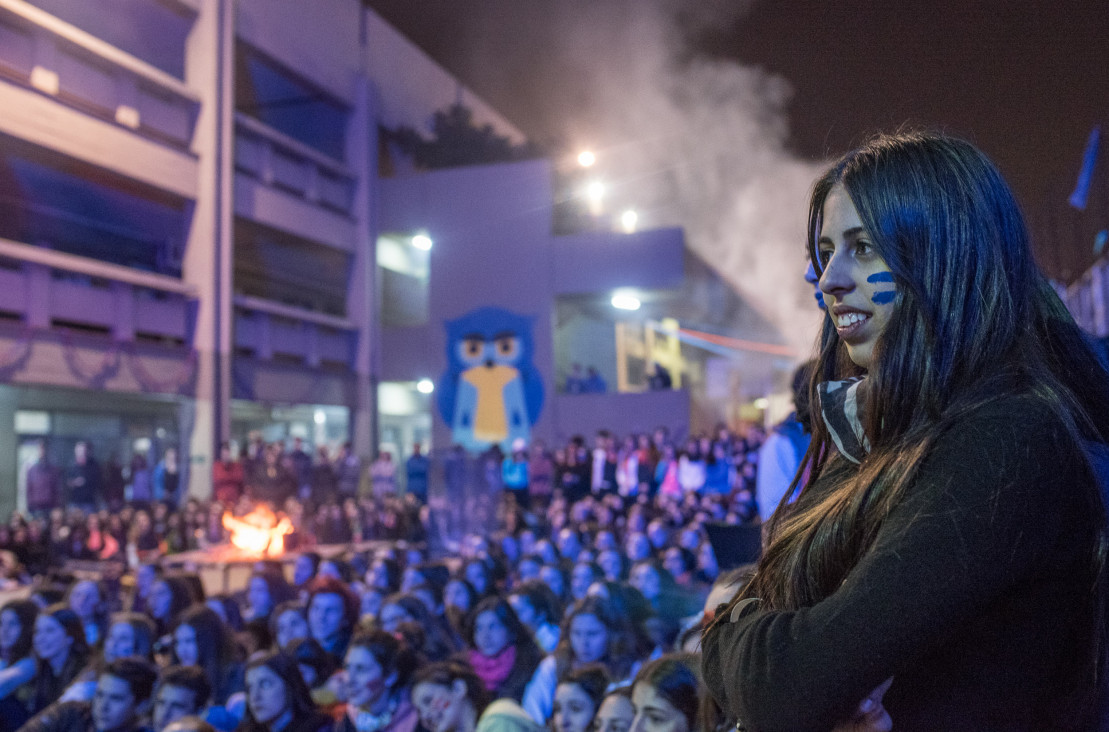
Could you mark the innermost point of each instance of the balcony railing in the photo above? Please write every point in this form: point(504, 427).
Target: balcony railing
point(78, 69)
point(279, 161)
point(274, 332)
point(46, 289)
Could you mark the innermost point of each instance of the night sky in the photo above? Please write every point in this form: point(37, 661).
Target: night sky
point(1026, 81)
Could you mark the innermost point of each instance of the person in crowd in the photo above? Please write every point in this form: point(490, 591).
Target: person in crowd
point(121, 701)
point(538, 608)
point(594, 383)
point(167, 479)
point(378, 669)
point(228, 477)
point(592, 632)
point(416, 469)
point(84, 482)
point(383, 474)
point(501, 649)
point(348, 471)
point(277, 699)
point(952, 499)
point(17, 663)
point(288, 622)
point(201, 639)
point(332, 614)
point(169, 596)
point(582, 576)
point(783, 450)
point(578, 696)
point(60, 647)
point(305, 568)
point(667, 695)
point(129, 634)
point(514, 473)
point(450, 697)
point(265, 591)
point(300, 465)
point(84, 599)
point(616, 712)
point(43, 480)
point(323, 481)
point(407, 608)
point(182, 691)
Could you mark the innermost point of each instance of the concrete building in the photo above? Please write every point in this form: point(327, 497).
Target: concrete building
point(197, 241)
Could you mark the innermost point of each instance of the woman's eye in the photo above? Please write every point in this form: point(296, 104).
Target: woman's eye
point(863, 248)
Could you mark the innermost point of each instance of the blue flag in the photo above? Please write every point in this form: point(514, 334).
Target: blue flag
point(1089, 160)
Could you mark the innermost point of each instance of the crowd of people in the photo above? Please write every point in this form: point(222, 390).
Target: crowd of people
point(593, 577)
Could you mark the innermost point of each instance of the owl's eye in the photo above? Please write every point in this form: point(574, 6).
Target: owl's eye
point(507, 346)
point(471, 350)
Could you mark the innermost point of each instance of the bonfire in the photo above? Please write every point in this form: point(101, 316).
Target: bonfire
point(259, 533)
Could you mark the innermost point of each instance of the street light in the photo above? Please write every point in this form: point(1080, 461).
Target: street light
point(425, 386)
point(586, 159)
point(422, 241)
point(628, 221)
point(625, 301)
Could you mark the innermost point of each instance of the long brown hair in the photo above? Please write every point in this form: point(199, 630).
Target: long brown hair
point(974, 320)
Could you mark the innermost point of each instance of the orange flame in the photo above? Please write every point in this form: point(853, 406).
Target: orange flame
point(259, 532)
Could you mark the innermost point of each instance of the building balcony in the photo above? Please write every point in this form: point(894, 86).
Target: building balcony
point(80, 70)
point(271, 331)
point(286, 184)
point(48, 290)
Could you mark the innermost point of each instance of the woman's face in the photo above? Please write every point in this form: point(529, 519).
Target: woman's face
point(455, 596)
point(302, 570)
point(50, 640)
point(328, 568)
point(673, 562)
point(528, 569)
point(653, 713)
point(366, 684)
point(160, 599)
point(120, 642)
point(476, 576)
point(491, 635)
point(440, 707)
point(392, 616)
point(580, 579)
point(857, 284)
point(266, 694)
point(83, 599)
point(573, 709)
point(325, 616)
point(258, 595)
point(588, 638)
point(10, 629)
point(184, 645)
point(645, 579)
point(615, 715)
point(638, 547)
point(291, 625)
point(611, 564)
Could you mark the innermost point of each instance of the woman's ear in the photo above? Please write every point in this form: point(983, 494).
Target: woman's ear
point(458, 688)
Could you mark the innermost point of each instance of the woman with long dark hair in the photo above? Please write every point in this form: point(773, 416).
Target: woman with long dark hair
point(948, 542)
point(61, 650)
point(202, 639)
point(17, 663)
point(450, 697)
point(500, 648)
point(277, 699)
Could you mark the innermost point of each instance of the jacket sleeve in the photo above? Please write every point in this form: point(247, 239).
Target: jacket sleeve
point(539, 693)
point(982, 512)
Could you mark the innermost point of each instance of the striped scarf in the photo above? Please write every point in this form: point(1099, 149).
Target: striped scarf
point(842, 405)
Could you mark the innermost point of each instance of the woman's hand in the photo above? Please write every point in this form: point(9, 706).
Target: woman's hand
point(870, 716)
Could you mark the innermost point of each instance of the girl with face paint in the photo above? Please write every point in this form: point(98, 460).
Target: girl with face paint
point(953, 474)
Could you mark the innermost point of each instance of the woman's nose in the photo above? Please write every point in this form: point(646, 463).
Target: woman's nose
point(836, 277)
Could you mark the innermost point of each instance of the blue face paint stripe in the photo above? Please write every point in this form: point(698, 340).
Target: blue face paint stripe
point(880, 277)
point(884, 298)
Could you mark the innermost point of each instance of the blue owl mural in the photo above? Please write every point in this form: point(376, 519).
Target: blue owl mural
point(491, 392)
